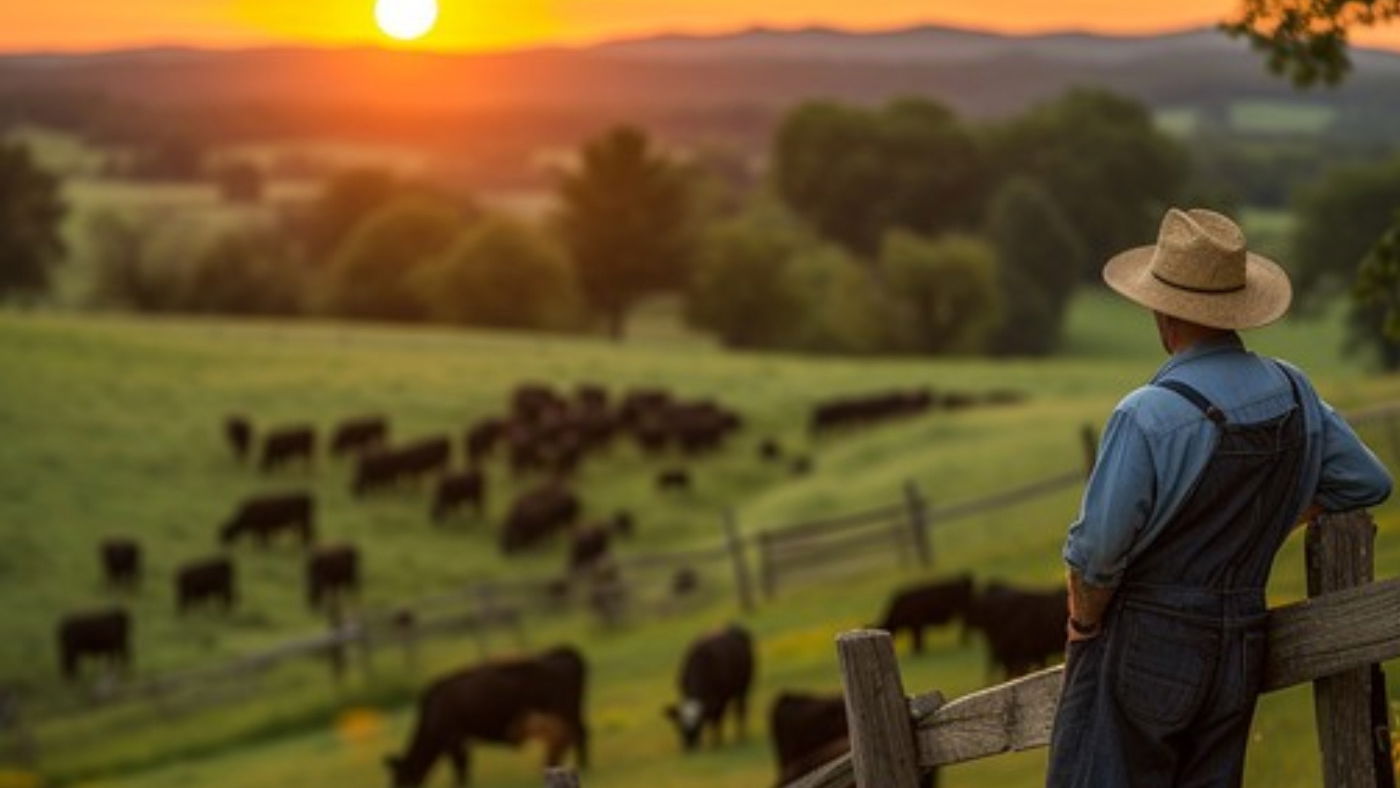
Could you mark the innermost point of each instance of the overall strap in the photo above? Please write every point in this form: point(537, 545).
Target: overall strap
point(1292, 383)
point(1198, 399)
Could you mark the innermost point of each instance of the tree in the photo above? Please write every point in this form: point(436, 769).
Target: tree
point(31, 210)
point(501, 274)
point(1110, 169)
point(1307, 40)
point(944, 291)
point(1335, 248)
point(627, 221)
point(1038, 258)
point(131, 264)
point(370, 276)
point(244, 272)
point(842, 307)
point(741, 289)
point(853, 173)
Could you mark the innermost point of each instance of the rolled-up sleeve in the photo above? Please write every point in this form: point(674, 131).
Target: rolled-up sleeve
point(1352, 477)
point(1117, 504)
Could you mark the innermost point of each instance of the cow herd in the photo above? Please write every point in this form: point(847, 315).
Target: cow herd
point(542, 439)
point(541, 698)
point(873, 408)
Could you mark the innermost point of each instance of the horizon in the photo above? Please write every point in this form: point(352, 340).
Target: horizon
point(481, 29)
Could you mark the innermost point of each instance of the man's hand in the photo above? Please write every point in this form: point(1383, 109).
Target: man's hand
point(1074, 634)
point(1087, 605)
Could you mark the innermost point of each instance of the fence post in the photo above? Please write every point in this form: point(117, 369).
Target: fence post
point(1089, 439)
point(742, 582)
point(337, 649)
point(882, 731)
point(1340, 551)
point(560, 778)
point(767, 577)
point(918, 521)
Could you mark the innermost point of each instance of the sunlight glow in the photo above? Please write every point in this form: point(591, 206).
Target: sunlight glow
point(406, 19)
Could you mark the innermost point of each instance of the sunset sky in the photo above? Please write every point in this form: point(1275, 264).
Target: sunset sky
point(492, 24)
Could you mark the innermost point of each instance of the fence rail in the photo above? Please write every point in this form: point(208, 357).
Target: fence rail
point(1333, 639)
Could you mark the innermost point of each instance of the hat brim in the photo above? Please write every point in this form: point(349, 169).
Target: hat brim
point(1264, 299)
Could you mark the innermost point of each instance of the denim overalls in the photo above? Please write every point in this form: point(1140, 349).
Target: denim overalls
point(1165, 694)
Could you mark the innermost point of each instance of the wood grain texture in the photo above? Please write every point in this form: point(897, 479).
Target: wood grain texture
point(881, 730)
point(1340, 556)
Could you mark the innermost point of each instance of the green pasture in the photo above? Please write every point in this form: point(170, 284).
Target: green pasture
point(112, 426)
point(1280, 117)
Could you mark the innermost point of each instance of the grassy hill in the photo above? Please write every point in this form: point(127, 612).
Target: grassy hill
point(112, 426)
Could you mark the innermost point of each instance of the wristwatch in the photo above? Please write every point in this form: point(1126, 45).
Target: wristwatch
point(1082, 628)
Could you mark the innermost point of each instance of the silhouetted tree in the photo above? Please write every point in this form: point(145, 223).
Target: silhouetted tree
point(1307, 40)
point(31, 210)
point(855, 173)
point(627, 221)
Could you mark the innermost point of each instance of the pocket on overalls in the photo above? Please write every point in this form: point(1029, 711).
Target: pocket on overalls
point(1164, 666)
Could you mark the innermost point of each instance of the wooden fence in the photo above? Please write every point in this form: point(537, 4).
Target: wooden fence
point(1332, 639)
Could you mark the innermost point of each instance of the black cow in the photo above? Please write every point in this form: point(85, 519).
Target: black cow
point(238, 430)
point(770, 450)
point(455, 490)
point(588, 546)
point(285, 445)
point(717, 672)
point(673, 479)
point(801, 466)
point(684, 581)
point(203, 581)
point(383, 468)
point(624, 524)
point(265, 516)
point(360, 434)
point(121, 562)
point(482, 437)
point(102, 633)
point(538, 514)
point(1024, 628)
point(331, 571)
point(425, 456)
point(927, 605)
point(506, 702)
point(807, 731)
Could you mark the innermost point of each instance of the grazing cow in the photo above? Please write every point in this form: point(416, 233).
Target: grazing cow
point(121, 562)
point(673, 479)
point(588, 546)
point(770, 450)
point(330, 572)
point(426, 456)
point(623, 524)
point(807, 731)
point(291, 443)
point(238, 430)
point(360, 434)
point(202, 581)
point(264, 516)
point(456, 490)
point(482, 437)
point(684, 581)
point(102, 633)
point(591, 396)
point(716, 673)
point(928, 605)
point(801, 466)
point(538, 514)
point(508, 702)
point(1024, 629)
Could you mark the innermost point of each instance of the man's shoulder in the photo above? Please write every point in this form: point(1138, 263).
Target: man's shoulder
point(1153, 408)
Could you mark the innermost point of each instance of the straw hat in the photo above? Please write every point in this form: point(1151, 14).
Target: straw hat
point(1200, 271)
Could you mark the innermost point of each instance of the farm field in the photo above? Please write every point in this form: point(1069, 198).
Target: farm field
point(113, 426)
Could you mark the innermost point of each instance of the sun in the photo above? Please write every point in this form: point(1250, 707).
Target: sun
point(406, 19)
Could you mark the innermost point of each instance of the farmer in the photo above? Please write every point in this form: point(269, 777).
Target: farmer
point(1201, 476)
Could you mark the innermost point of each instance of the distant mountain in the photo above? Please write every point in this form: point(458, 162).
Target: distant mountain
point(759, 71)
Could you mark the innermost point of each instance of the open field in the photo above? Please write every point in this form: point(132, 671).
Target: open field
point(112, 426)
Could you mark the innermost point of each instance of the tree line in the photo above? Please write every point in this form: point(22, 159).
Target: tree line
point(896, 229)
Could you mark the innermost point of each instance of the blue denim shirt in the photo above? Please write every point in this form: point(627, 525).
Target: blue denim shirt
point(1157, 443)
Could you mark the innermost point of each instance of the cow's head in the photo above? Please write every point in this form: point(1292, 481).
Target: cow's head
point(689, 718)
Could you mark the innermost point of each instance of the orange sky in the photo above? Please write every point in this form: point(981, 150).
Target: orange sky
point(478, 24)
